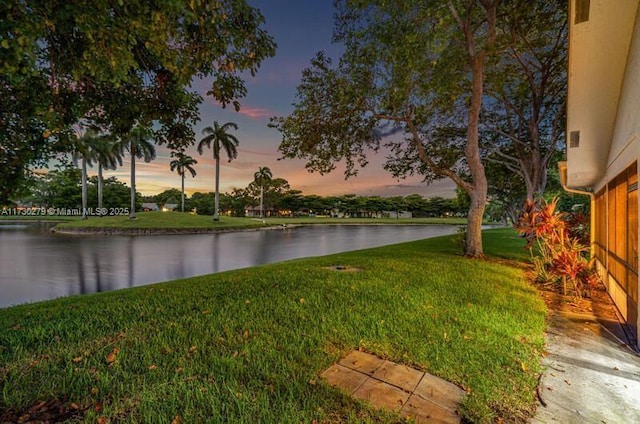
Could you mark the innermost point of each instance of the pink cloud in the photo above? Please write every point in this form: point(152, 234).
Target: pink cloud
point(256, 112)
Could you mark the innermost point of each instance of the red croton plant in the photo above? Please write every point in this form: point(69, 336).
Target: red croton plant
point(558, 245)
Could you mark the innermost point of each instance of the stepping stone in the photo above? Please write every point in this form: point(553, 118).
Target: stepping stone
point(395, 387)
point(365, 363)
point(399, 375)
point(343, 377)
point(439, 391)
point(424, 411)
point(382, 395)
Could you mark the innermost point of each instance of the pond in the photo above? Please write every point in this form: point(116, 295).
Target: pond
point(38, 265)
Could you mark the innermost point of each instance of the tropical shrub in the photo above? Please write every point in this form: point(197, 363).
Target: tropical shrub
point(558, 243)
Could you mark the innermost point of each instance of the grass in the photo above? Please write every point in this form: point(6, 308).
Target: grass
point(249, 345)
point(175, 220)
point(162, 220)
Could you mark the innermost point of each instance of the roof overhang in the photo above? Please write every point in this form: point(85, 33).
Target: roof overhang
point(598, 50)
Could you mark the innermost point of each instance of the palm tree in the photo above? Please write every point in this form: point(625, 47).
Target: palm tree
point(183, 163)
point(138, 144)
point(108, 155)
point(215, 138)
point(83, 147)
point(261, 177)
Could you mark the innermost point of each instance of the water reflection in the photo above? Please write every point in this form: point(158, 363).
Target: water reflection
point(37, 265)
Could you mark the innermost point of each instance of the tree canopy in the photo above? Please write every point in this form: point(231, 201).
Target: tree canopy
point(413, 71)
point(419, 80)
point(526, 106)
point(116, 65)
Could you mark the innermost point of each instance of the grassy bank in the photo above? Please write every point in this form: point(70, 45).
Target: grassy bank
point(185, 221)
point(161, 220)
point(249, 345)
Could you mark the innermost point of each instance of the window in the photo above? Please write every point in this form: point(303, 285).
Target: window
point(616, 233)
point(574, 139)
point(581, 11)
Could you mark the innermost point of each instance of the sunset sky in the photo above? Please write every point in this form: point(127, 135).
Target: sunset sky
point(300, 28)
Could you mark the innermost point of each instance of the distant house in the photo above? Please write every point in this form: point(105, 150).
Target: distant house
point(603, 139)
point(254, 212)
point(397, 214)
point(150, 207)
point(169, 207)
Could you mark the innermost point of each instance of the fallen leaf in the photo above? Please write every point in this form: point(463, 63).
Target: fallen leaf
point(302, 300)
point(206, 311)
point(97, 407)
point(246, 334)
point(312, 382)
point(247, 301)
point(153, 367)
point(179, 369)
point(37, 407)
point(74, 405)
point(524, 366)
point(101, 420)
point(77, 359)
point(192, 349)
point(111, 357)
point(177, 420)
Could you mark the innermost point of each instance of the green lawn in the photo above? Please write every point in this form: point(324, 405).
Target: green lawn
point(162, 220)
point(249, 345)
point(176, 220)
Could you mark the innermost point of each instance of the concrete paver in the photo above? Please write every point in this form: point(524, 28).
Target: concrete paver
point(348, 379)
point(425, 411)
point(440, 391)
point(399, 375)
point(382, 395)
point(395, 387)
point(363, 362)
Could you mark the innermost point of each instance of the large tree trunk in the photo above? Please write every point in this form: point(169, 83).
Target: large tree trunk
point(132, 212)
point(473, 245)
point(478, 194)
point(84, 187)
point(216, 204)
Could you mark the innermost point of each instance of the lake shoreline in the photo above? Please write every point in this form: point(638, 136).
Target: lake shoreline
point(160, 231)
point(122, 231)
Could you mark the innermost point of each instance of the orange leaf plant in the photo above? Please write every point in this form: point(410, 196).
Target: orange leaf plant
point(557, 252)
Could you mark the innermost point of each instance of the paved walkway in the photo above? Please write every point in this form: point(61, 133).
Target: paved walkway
point(410, 392)
point(591, 376)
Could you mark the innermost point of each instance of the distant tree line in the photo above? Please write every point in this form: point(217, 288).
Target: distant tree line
point(61, 188)
point(294, 203)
